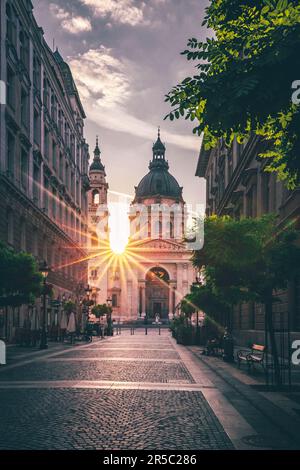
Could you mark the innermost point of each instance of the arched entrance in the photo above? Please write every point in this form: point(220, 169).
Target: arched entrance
point(157, 293)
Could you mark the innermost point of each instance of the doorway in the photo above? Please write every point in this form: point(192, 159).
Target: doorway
point(157, 293)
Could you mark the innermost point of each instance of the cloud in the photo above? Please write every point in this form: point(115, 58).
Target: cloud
point(71, 23)
point(101, 77)
point(105, 84)
point(119, 11)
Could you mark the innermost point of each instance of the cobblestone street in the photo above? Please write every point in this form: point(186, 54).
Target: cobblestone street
point(127, 392)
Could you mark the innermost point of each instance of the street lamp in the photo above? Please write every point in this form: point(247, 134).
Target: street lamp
point(109, 319)
point(44, 269)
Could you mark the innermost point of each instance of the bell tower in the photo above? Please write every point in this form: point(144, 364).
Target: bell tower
point(97, 199)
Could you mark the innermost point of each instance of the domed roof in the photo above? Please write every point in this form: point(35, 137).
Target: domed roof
point(158, 182)
point(97, 165)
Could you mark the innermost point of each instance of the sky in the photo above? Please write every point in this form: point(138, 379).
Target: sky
point(125, 57)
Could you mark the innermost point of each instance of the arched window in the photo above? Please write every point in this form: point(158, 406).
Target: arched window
point(157, 229)
point(96, 197)
point(171, 230)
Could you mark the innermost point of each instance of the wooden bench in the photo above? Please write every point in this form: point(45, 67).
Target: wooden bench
point(256, 356)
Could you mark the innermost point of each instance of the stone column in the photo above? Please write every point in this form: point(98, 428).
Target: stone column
point(143, 301)
point(171, 299)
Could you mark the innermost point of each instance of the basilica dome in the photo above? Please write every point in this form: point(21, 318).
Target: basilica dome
point(158, 182)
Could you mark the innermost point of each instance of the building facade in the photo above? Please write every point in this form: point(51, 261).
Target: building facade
point(44, 159)
point(155, 272)
point(237, 185)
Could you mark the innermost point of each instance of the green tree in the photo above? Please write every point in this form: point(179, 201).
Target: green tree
point(250, 259)
point(243, 84)
point(20, 280)
point(187, 306)
point(100, 310)
point(70, 307)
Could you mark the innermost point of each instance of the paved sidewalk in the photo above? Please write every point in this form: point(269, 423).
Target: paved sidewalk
point(280, 410)
point(129, 392)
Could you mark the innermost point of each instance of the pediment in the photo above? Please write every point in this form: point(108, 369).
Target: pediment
point(159, 245)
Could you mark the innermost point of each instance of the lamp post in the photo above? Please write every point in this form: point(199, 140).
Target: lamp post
point(109, 319)
point(88, 291)
point(44, 269)
point(198, 283)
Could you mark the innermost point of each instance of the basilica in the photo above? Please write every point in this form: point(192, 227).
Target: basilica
point(155, 272)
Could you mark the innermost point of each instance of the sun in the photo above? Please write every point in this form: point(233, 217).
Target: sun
point(118, 247)
point(118, 227)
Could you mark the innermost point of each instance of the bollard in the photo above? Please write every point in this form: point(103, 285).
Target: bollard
point(159, 330)
point(146, 330)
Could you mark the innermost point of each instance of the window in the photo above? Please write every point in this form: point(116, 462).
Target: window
point(24, 170)
point(73, 146)
point(54, 196)
point(10, 155)
point(72, 224)
point(157, 229)
point(24, 108)
point(36, 183)
point(36, 73)
point(94, 273)
point(37, 127)
point(171, 230)
point(11, 23)
point(46, 94)
point(114, 299)
point(96, 197)
point(60, 122)
point(24, 49)
point(67, 176)
point(54, 155)
point(11, 94)
point(72, 184)
point(46, 143)
point(61, 166)
point(77, 192)
point(46, 194)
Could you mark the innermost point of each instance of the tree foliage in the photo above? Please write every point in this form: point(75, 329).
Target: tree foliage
point(100, 310)
point(20, 280)
point(244, 79)
point(187, 306)
point(247, 259)
point(70, 307)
